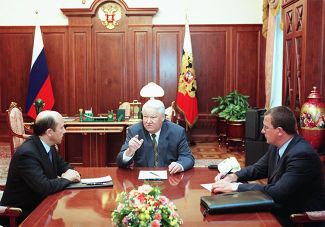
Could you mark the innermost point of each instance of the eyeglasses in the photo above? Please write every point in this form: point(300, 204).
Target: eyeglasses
point(267, 127)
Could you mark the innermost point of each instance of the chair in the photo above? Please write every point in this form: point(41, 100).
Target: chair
point(16, 127)
point(308, 217)
point(11, 212)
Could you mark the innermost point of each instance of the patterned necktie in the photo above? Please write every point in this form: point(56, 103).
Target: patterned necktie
point(155, 149)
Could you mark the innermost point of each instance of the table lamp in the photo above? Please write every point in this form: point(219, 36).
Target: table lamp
point(152, 90)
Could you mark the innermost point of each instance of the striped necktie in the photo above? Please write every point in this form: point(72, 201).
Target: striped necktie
point(155, 149)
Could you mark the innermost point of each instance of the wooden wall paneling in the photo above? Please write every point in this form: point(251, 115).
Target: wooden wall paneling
point(56, 51)
point(211, 61)
point(81, 87)
point(109, 63)
point(322, 84)
point(168, 46)
point(16, 45)
point(140, 60)
point(313, 57)
point(246, 57)
point(211, 48)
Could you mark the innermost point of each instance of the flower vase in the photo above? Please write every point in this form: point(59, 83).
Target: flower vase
point(312, 120)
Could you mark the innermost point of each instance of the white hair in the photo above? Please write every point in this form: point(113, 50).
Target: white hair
point(154, 104)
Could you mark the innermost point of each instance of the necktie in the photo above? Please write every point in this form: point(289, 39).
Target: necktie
point(277, 156)
point(155, 149)
point(51, 155)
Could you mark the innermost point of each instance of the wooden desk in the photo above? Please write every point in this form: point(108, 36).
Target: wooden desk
point(93, 207)
point(94, 144)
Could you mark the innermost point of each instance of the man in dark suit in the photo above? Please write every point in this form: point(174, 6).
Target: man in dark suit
point(293, 168)
point(156, 142)
point(36, 170)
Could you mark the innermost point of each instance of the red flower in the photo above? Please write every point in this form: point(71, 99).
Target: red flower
point(142, 198)
point(155, 223)
point(157, 216)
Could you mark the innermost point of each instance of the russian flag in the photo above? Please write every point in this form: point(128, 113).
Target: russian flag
point(39, 86)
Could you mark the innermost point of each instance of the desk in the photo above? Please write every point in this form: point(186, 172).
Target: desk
point(93, 207)
point(94, 143)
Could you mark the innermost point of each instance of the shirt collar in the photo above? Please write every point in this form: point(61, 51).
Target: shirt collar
point(157, 135)
point(284, 147)
point(47, 147)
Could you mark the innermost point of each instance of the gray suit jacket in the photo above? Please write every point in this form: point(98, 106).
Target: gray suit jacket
point(296, 182)
point(172, 147)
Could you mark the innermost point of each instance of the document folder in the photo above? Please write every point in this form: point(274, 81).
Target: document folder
point(232, 202)
point(90, 185)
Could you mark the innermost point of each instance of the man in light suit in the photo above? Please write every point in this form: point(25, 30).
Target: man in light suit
point(293, 168)
point(169, 138)
point(36, 170)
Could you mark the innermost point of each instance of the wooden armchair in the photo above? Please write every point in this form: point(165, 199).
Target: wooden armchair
point(308, 217)
point(17, 129)
point(11, 212)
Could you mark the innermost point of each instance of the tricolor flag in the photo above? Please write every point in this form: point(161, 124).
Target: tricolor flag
point(39, 79)
point(186, 101)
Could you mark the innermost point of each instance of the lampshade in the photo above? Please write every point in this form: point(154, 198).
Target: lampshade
point(152, 90)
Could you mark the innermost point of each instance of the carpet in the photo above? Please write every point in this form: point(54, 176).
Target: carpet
point(4, 163)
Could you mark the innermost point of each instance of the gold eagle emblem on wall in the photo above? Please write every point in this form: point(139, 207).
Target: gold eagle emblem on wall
point(109, 14)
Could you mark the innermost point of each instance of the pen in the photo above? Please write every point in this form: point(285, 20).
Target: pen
point(155, 174)
point(226, 174)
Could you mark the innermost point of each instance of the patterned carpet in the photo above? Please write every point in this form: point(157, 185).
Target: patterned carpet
point(204, 154)
point(4, 162)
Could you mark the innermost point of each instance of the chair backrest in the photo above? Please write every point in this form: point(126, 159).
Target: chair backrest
point(16, 126)
point(11, 212)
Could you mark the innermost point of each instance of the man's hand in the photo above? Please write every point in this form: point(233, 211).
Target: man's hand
point(224, 177)
point(175, 167)
point(222, 186)
point(71, 175)
point(134, 145)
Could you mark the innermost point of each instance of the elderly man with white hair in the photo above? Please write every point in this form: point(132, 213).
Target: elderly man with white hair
point(156, 142)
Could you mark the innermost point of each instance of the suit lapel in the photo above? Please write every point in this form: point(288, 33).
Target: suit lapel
point(47, 165)
point(278, 166)
point(163, 144)
point(148, 151)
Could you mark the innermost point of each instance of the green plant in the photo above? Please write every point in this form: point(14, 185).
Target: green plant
point(233, 106)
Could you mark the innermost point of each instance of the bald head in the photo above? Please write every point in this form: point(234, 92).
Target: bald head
point(46, 120)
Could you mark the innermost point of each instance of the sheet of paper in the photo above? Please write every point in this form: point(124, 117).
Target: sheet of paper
point(153, 175)
point(96, 180)
point(229, 164)
point(207, 186)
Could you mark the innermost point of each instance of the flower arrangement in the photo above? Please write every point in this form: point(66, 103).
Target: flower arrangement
point(145, 206)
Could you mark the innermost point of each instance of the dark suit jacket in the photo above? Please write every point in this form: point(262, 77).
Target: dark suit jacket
point(32, 176)
point(172, 147)
point(296, 182)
